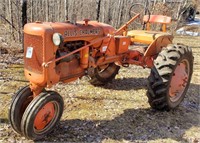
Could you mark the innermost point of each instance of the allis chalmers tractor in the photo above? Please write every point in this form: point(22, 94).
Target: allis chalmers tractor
point(63, 52)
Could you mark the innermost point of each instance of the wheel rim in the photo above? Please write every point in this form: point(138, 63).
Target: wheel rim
point(179, 81)
point(46, 117)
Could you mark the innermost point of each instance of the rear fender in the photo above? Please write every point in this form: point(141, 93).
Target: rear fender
point(156, 46)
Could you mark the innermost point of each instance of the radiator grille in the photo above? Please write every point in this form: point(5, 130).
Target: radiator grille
point(34, 62)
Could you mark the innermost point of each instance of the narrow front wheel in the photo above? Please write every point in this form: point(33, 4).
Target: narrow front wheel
point(18, 105)
point(42, 114)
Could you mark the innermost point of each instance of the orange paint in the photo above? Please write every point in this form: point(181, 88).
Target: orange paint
point(44, 67)
point(161, 19)
point(178, 81)
point(44, 116)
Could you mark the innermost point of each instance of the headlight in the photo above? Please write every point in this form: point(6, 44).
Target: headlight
point(57, 39)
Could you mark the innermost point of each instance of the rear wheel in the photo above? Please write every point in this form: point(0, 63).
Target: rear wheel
point(18, 105)
point(170, 77)
point(104, 74)
point(41, 115)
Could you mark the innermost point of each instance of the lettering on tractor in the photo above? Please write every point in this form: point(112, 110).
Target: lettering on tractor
point(63, 52)
point(85, 32)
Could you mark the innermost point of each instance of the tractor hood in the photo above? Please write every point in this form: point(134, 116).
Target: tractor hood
point(82, 30)
point(39, 47)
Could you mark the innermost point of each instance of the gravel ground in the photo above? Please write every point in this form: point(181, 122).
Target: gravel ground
point(117, 112)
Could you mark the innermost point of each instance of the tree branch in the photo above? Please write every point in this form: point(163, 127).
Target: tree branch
point(8, 22)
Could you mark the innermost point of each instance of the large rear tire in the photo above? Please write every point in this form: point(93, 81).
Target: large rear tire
point(41, 115)
point(103, 75)
point(170, 77)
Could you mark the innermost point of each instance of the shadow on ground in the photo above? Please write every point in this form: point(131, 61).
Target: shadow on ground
point(128, 84)
point(133, 124)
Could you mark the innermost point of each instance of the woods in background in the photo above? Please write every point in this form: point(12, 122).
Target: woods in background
point(14, 13)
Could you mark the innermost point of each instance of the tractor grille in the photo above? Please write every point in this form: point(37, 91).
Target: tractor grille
point(34, 61)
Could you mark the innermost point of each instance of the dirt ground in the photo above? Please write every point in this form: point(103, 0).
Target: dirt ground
point(117, 112)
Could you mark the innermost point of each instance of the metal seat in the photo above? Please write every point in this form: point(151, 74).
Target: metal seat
point(147, 36)
point(160, 19)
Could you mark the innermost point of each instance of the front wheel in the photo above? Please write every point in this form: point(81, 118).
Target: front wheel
point(41, 115)
point(170, 77)
point(18, 105)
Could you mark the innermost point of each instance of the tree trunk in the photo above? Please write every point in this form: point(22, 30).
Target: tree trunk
point(47, 10)
point(31, 2)
point(24, 17)
point(66, 10)
point(24, 14)
point(98, 9)
point(10, 16)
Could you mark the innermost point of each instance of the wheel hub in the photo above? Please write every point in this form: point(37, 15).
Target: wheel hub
point(178, 81)
point(44, 116)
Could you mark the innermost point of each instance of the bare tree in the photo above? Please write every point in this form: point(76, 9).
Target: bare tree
point(66, 3)
point(16, 13)
point(24, 14)
point(98, 9)
point(11, 18)
point(47, 10)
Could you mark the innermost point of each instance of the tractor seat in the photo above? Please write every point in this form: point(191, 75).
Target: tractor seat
point(144, 36)
point(147, 36)
point(157, 19)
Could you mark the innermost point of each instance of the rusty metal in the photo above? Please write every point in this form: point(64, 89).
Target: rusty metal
point(179, 81)
point(103, 45)
point(88, 48)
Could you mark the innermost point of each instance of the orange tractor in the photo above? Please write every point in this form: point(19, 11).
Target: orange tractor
point(63, 52)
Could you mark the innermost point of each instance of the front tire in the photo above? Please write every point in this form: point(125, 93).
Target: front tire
point(18, 105)
point(41, 115)
point(170, 77)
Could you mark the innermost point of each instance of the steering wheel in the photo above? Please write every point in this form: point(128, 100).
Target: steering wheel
point(143, 10)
